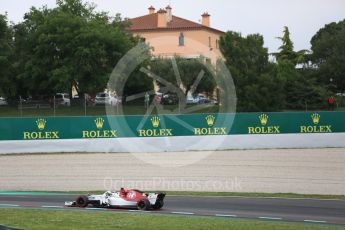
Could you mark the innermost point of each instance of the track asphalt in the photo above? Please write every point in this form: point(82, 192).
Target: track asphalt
point(273, 209)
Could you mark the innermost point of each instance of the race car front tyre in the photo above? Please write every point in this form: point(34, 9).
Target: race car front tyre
point(143, 204)
point(82, 201)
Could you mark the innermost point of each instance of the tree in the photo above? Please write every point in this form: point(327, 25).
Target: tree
point(299, 86)
point(256, 87)
point(69, 46)
point(190, 71)
point(304, 92)
point(286, 50)
point(6, 51)
point(138, 83)
point(20, 57)
point(328, 55)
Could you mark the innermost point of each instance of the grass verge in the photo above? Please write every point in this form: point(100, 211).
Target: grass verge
point(48, 219)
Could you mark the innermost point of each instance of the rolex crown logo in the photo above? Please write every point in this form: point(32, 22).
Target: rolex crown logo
point(99, 123)
point(41, 123)
point(316, 118)
point(155, 121)
point(210, 120)
point(263, 119)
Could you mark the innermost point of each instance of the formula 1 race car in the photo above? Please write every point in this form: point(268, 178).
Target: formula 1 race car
point(125, 198)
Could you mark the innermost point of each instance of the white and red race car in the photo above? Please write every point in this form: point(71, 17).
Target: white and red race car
point(125, 198)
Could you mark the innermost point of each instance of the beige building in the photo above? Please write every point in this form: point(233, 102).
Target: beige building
point(169, 35)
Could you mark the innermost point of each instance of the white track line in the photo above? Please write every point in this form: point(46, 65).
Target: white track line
point(225, 215)
point(45, 206)
point(270, 218)
point(138, 211)
point(9, 205)
point(315, 221)
point(183, 213)
point(94, 208)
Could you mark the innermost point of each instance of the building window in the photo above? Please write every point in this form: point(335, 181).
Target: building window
point(209, 42)
point(181, 40)
point(217, 43)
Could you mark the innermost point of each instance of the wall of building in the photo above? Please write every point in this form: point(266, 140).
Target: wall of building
point(197, 42)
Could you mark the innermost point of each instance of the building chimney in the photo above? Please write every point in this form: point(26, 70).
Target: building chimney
point(206, 19)
point(151, 10)
point(162, 18)
point(169, 13)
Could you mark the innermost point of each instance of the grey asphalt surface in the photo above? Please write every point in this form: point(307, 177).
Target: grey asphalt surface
point(279, 209)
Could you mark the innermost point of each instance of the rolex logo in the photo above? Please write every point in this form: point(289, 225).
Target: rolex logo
point(39, 135)
point(41, 123)
point(210, 120)
point(155, 121)
point(316, 127)
point(263, 129)
point(100, 133)
point(155, 132)
point(263, 119)
point(316, 118)
point(99, 123)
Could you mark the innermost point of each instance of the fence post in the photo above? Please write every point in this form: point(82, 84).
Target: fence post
point(54, 107)
point(84, 104)
point(21, 106)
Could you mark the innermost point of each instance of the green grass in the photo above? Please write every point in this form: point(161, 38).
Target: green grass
point(340, 109)
point(75, 219)
point(134, 109)
point(7, 111)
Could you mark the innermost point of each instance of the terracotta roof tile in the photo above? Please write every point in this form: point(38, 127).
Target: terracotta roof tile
point(150, 22)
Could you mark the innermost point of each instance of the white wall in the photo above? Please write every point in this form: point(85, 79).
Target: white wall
point(173, 144)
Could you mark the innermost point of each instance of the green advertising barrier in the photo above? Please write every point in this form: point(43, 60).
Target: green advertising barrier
point(170, 125)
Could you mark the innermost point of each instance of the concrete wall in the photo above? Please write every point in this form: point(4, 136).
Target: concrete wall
point(173, 144)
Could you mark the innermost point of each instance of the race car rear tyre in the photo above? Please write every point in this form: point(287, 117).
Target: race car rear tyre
point(143, 204)
point(82, 201)
point(158, 205)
